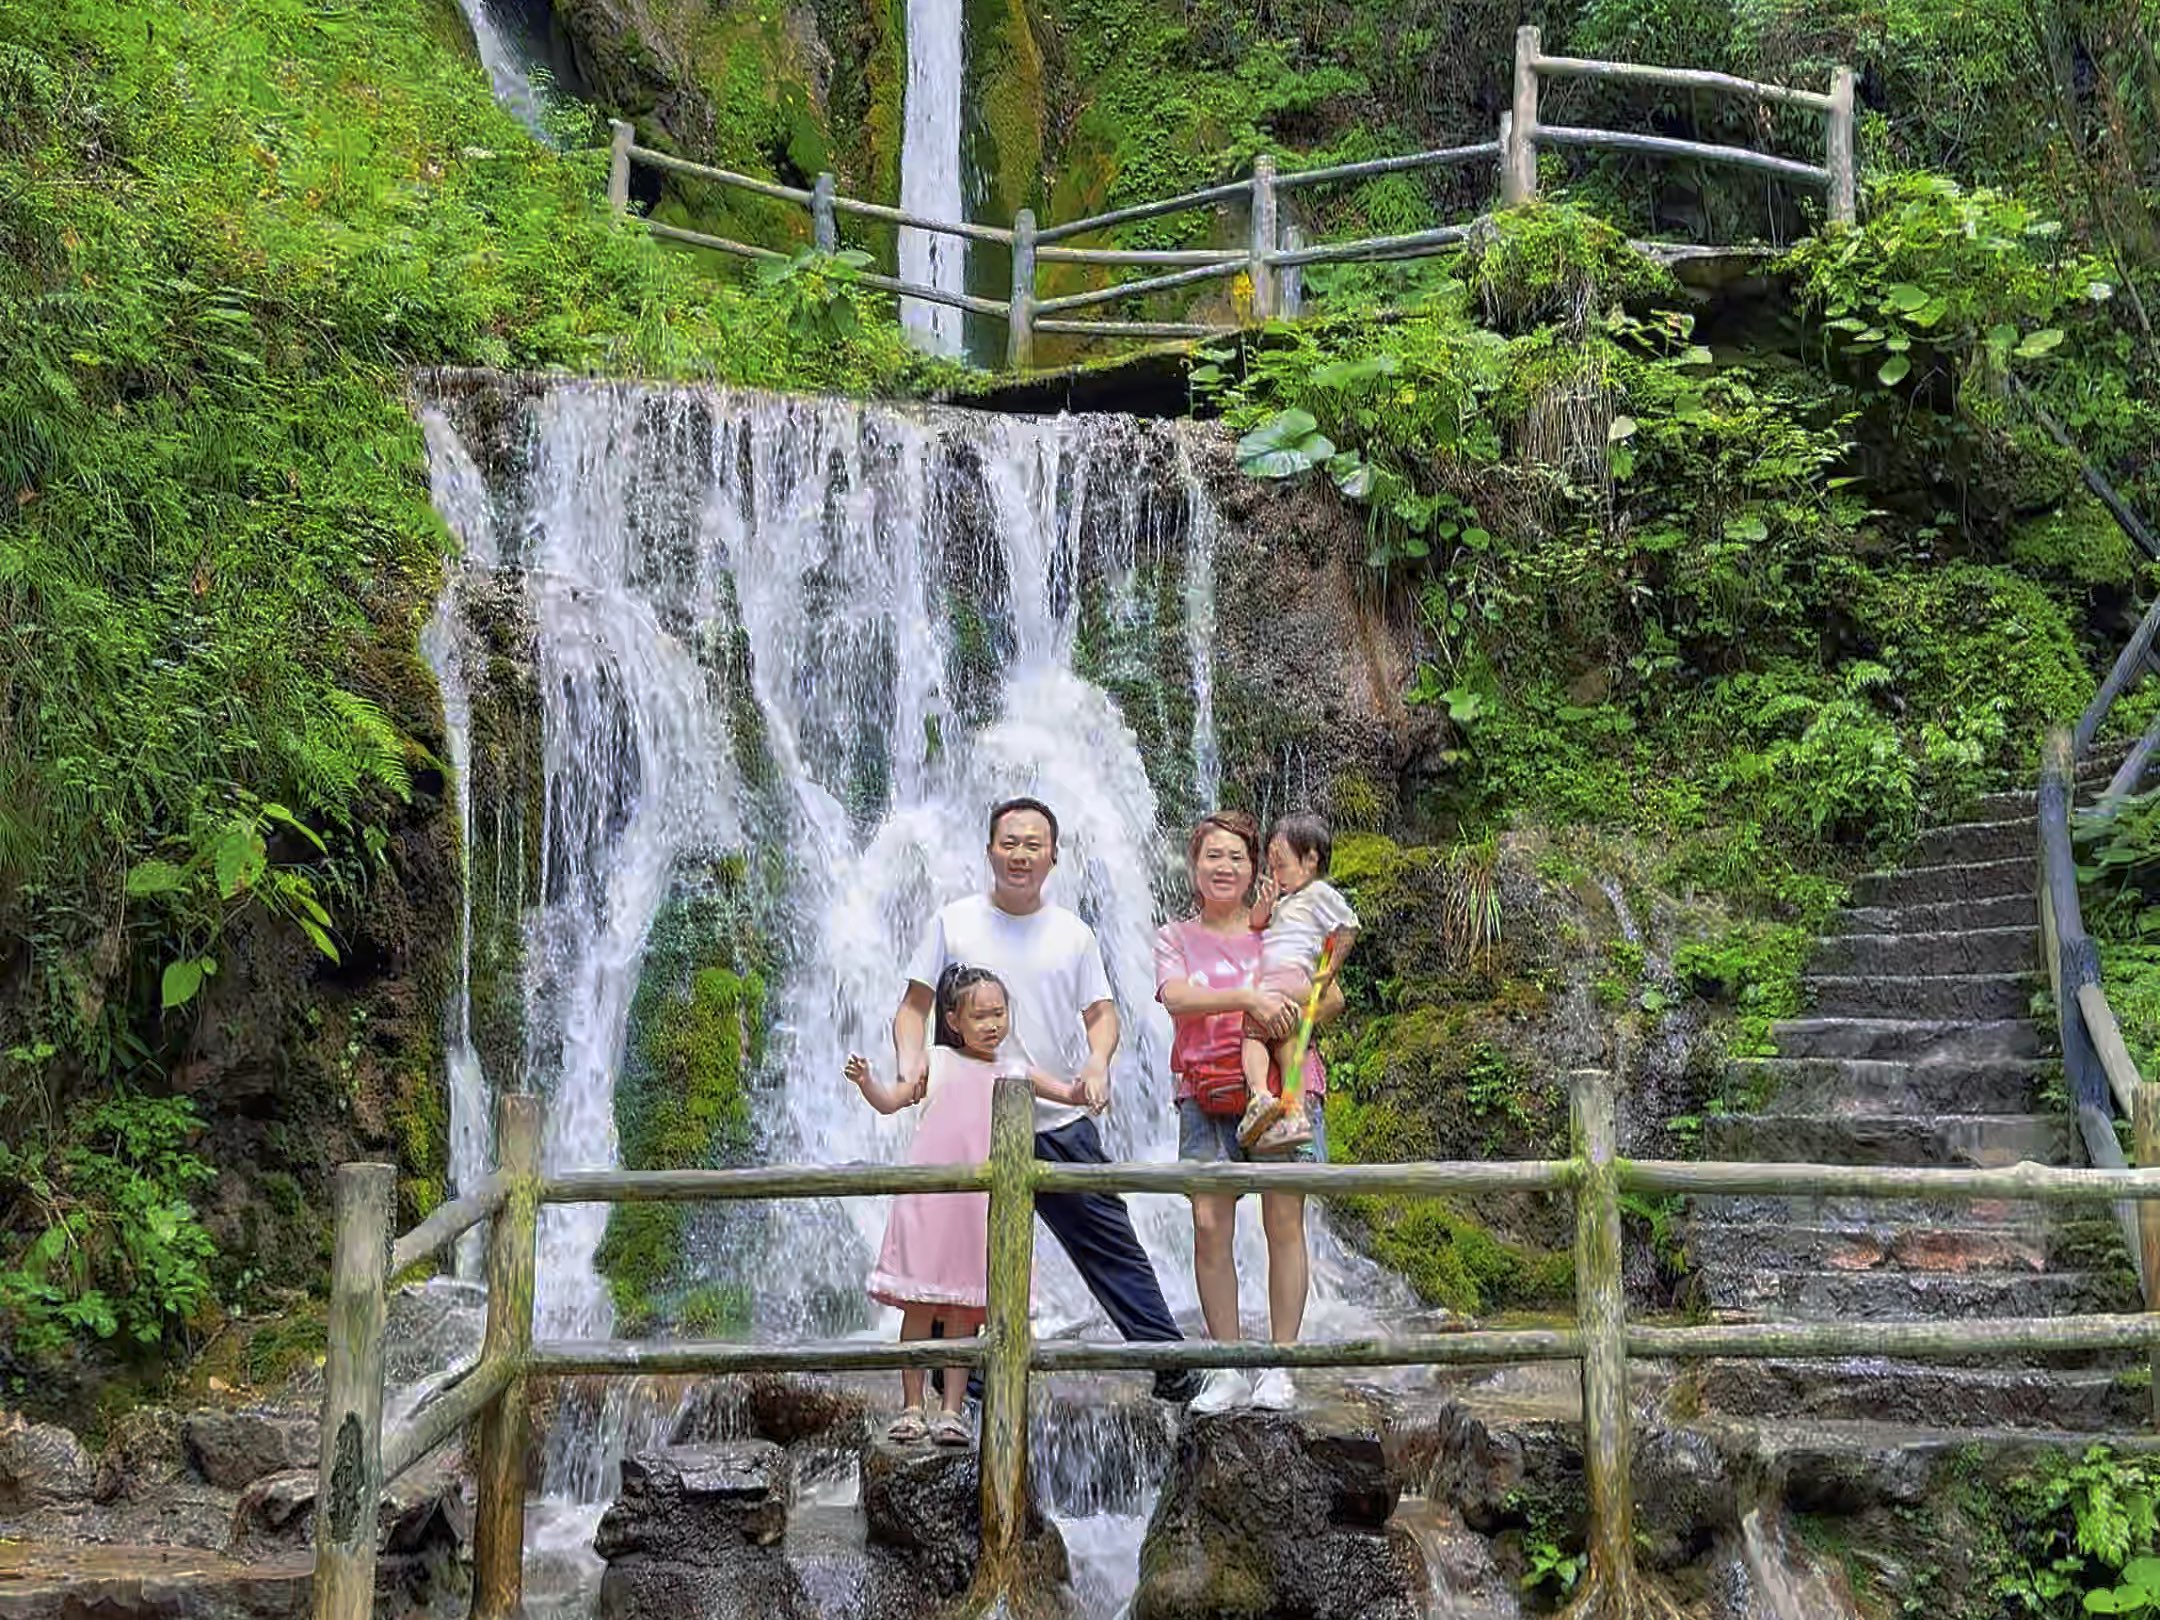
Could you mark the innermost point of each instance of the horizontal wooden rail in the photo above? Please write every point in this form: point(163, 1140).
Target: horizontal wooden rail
point(1412, 245)
point(1578, 67)
point(725, 177)
point(1132, 329)
point(1413, 1180)
point(1982, 1336)
point(446, 1414)
point(2038, 1182)
point(1739, 157)
point(1234, 191)
point(761, 1181)
point(1472, 1349)
point(719, 244)
point(447, 1224)
point(642, 1357)
point(1444, 157)
point(931, 295)
point(1142, 287)
point(922, 222)
point(1058, 255)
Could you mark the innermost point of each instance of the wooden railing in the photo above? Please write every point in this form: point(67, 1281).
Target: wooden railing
point(2103, 1077)
point(359, 1458)
point(1274, 259)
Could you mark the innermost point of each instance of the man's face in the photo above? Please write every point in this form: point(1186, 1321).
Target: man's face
point(1021, 853)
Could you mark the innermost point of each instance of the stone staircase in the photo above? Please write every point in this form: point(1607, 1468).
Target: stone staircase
point(1920, 1048)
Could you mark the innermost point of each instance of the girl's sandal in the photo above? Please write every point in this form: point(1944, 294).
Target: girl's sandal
point(907, 1428)
point(950, 1429)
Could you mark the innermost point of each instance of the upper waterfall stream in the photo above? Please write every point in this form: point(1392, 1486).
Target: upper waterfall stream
point(787, 651)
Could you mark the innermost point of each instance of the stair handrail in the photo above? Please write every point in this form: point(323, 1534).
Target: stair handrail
point(1277, 254)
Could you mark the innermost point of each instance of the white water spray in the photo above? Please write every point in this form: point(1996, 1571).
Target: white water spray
point(930, 170)
point(508, 74)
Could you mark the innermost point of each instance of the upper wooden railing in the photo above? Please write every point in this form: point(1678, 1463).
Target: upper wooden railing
point(359, 1457)
point(2103, 1077)
point(1274, 259)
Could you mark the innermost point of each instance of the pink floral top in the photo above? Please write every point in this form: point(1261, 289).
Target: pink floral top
point(1189, 950)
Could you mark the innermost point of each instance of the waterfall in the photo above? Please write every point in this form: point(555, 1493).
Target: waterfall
point(461, 496)
point(509, 69)
point(930, 170)
point(815, 640)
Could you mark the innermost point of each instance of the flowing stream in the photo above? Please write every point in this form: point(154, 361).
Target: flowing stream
point(796, 647)
point(930, 169)
point(509, 72)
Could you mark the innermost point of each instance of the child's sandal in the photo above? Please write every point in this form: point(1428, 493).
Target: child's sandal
point(950, 1429)
point(907, 1428)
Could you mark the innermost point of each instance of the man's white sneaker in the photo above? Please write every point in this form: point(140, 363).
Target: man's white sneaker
point(1274, 1392)
point(1225, 1390)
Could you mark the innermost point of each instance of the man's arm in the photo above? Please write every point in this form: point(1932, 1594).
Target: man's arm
point(911, 1033)
point(1102, 1033)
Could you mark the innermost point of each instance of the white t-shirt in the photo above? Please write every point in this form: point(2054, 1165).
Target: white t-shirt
point(1052, 969)
point(1300, 923)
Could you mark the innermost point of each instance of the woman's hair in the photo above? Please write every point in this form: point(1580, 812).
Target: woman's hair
point(955, 982)
point(1234, 822)
point(1306, 834)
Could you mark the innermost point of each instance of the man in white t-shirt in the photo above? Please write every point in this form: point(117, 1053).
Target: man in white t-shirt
point(1063, 1020)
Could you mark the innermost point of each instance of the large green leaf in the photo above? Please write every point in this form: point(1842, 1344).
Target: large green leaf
point(1286, 444)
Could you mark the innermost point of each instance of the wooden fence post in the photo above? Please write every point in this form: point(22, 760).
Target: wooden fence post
point(499, 1516)
point(1840, 150)
point(618, 174)
point(2146, 1125)
point(1020, 318)
point(348, 1487)
point(1518, 161)
point(1011, 1339)
point(824, 225)
point(1263, 237)
point(1601, 1313)
point(1293, 275)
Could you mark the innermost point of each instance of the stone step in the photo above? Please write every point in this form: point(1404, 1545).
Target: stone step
point(1894, 1296)
point(2016, 837)
point(2015, 949)
point(1965, 997)
point(1893, 1086)
point(1959, 880)
point(1914, 1039)
point(1808, 1209)
point(1942, 916)
point(1873, 1246)
point(1876, 1389)
point(1984, 1140)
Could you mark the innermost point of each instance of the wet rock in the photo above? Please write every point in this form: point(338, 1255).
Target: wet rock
point(41, 1581)
point(1267, 1513)
point(424, 1523)
point(693, 1536)
point(143, 1454)
point(684, 1501)
point(232, 1450)
point(788, 1410)
point(926, 1502)
point(275, 1510)
point(41, 1464)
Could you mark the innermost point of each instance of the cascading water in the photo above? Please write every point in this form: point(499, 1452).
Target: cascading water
point(831, 635)
point(509, 74)
point(930, 169)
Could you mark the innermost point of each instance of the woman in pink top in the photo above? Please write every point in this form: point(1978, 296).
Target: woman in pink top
point(1207, 977)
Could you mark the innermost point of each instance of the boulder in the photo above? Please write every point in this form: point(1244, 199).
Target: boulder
point(925, 1502)
point(694, 1536)
point(425, 1521)
point(41, 1464)
point(233, 1449)
point(143, 1454)
point(1266, 1513)
point(791, 1410)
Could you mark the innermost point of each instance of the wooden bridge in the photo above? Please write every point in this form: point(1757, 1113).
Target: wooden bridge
point(1273, 262)
point(359, 1457)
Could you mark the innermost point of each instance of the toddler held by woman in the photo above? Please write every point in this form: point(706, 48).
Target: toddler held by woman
point(1307, 929)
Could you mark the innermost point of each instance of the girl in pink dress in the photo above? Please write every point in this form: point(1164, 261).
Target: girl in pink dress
point(936, 1257)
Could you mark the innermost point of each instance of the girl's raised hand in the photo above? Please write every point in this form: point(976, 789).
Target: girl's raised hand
point(858, 1070)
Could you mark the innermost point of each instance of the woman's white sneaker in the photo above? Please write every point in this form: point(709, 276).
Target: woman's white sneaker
point(1274, 1392)
point(1225, 1390)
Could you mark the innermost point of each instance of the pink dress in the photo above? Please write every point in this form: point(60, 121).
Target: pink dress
point(937, 1245)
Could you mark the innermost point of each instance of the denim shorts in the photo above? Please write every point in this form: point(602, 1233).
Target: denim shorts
point(1212, 1138)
